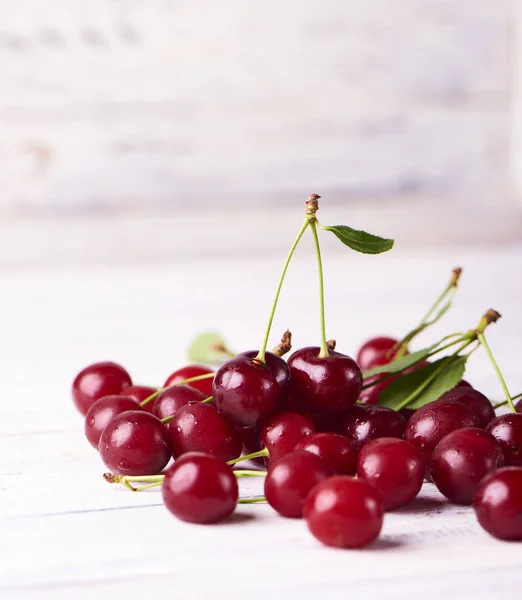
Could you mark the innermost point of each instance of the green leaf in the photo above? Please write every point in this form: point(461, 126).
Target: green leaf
point(401, 363)
point(452, 373)
point(360, 241)
point(208, 347)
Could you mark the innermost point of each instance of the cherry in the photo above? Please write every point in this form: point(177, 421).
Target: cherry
point(407, 413)
point(336, 452)
point(247, 392)
point(498, 503)
point(200, 488)
point(135, 442)
point(461, 459)
point(102, 411)
point(344, 512)
point(280, 435)
point(363, 423)
point(464, 383)
point(433, 421)
point(140, 393)
point(98, 380)
point(371, 394)
point(507, 430)
point(290, 479)
point(474, 400)
point(394, 468)
point(375, 352)
point(199, 427)
point(324, 386)
point(279, 368)
point(173, 398)
point(205, 385)
point(251, 443)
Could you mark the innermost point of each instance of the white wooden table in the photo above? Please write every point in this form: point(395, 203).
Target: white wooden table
point(65, 533)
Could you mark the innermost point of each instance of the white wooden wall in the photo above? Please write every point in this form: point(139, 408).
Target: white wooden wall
point(127, 104)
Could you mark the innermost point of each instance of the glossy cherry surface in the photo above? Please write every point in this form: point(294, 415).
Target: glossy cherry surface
point(101, 413)
point(135, 442)
point(247, 392)
point(375, 352)
point(280, 435)
point(324, 386)
point(140, 393)
point(204, 386)
point(200, 428)
point(98, 380)
point(498, 503)
point(464, 383)
point(394, 468)
point(461, 459)
point(336, 452)
point(344, 512)
point(363, 423)
point(475, 401)
point(290, 479)
point(173, 398)
point(279, 368)
point(200, 488)
point(433, 421)
point(507, 430)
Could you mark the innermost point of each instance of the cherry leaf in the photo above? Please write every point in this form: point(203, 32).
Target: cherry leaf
point(208, 347)
point(401, 363)
point(358, 240)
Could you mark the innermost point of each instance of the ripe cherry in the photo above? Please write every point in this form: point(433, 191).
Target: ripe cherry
point(247, 392)
point(324, 386)
point(336, 452)
point(200, 488)
point(344, 512)
point(498, 503)
point(375, 352)
point(251, 443)
point(507, 430)
point(464, 383)
point(101, 413)
point(98, 380)
point(279, 368)
point(204, 386)
point(280, 435)
point(199, 427)
point(173, 398)
point(140, 393)
point(135, 443)
point(461, 459)
point(290, 479)
point(475, 401)
point(365, 422)
point(394, 468)
point(430, 423)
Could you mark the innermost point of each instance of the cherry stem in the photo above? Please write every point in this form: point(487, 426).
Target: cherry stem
point(249, 473)
point(259, 454)
point(504, 402)
point(251, 500)
point(487, 349)
point(324, 346)
point(183, 382)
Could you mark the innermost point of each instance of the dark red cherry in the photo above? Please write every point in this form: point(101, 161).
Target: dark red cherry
point(475, 401)
point(498, 503)
point(375, 352)
point(247, 392)
point(344, 512)
point(140, 393)
point(507, 430)
point(324, 386)
point(290, 479)
point(461, 459)
point(280, 435)
point(336, 452)
point(101, 413)
point(200, 488)
point(394, 468)
point(433, 421)
point(135, 442)
point(407, 413)
point(98, 380)
point(173, 398)
point(365, 422)
point(205, 385)
point(279, 368)
point(199, 427)
point(464, 383)
point(251, 442)
point(371, 394)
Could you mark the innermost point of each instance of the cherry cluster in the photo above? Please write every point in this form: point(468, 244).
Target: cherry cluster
point(339, 441)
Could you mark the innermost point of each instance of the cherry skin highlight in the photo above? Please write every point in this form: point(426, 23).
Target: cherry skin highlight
point(474, 400)
point(290, 479)
point(200, 428)
point(140, 393)
point(135, 442)
point(280, 435)
point(200, 488)
point(336, 452)
point(507, 430)
point(279, 368)
point(102, 412)
point(394, 468)
point(344, 512)
point(461, 460)
point(375, 352)
point(204, 386)
point(498, 503)
point(365, 422)
point(324, 386)
point(98, 380)
point(173, 398)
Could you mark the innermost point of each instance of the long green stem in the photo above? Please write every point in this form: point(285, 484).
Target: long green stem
point(261, 354)
point(251, 500)
point(155, 394)
point(487, 349)
point(259, 454)
point(249, 473)
point(324, 348)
